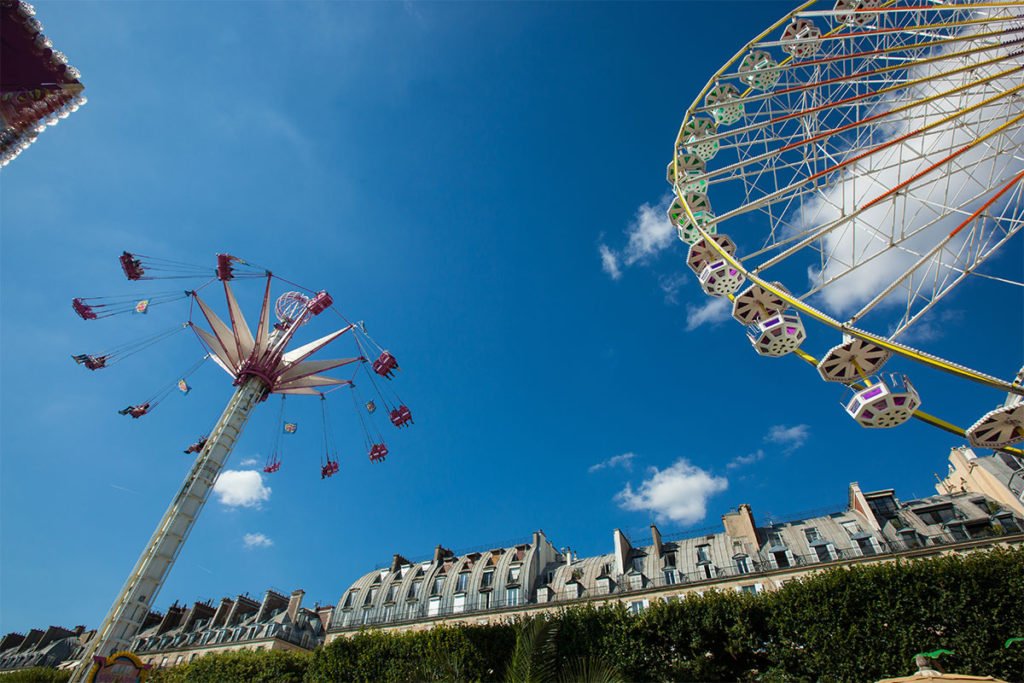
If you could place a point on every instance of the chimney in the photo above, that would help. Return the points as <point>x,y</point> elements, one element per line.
<point>397,561</point>
<point>739,525</point>
<point>294,602</point>
<point>622,550</point>
<point>656,539</point>
<point>325,612</point>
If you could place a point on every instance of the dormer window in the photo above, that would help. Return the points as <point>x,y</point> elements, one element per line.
<point>703,554</point>
<point>513,574</point>
<point>438,586</point>
<point>392,590</point>
<point>350,598</point>
<point>742,564</point>
<point>487,579</point>
<point>371,595</point>
<point>462,582</point>
<point>638,564</point>
<point>670,559</point>
<point>414,590</point>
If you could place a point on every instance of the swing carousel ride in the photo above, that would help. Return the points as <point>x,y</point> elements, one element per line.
<point>867,156</point>
<point>259,363</point>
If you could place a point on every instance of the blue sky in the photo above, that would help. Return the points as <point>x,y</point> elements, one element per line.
<point>467,179</point>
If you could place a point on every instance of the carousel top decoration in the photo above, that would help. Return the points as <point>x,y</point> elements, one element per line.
<point>38,87</point>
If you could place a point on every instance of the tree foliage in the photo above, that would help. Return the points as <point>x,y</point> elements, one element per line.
<point>861,622</point>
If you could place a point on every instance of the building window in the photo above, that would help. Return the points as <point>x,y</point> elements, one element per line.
<point>708,572</point>
<point>163,662</point>
<point>459,605</point>
<point>703,553</point>
<point>670,559</point>
<point>350,598</point>
<point>512,597</point>
<point>485,600</point>
<point>638,564</point>
<point>752,589</point>
<point>824,552</point>
<point>371,595</point>
<point>637,606</point>
<point>392,590</point>
<point>670,577</point>
<point>177,660</point>
<point>812,535</point>
<point>851,527</point>
<point>958,532</point>
<point>775,538</point>
<point>937,515</point>
<point>867,546</point>
<point>487,579</point>
<point>781,558</point>
<point>414,590</point>
<point>462,582</point>
<point>636,581</point>
<point>742,564</point>
<point>366,616</point>
<point>388,610</point>
<point>513,574</point>
<point>434,607</point>
<point>438,586</point>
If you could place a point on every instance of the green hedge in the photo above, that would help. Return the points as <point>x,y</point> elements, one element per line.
<point>858,623</point>
<point>37,674</point>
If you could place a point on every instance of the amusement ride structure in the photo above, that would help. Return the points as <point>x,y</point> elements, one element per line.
<point>880,142</point>
<point>260,363</point>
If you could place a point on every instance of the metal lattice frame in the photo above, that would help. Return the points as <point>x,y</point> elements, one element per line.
<point>889,145</point>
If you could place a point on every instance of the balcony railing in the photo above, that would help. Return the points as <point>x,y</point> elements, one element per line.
<point>360,617</point>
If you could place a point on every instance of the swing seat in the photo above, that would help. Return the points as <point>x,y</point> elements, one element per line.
<point>136,411</point>
<point>319,303</point>
<point>83,309</point>
<point>378,452</point>
<point>401,416</point>
<point>225,271</point>
<point>95,362</point>
<point>131,266</point>
<point>330,469</point>
<point>385,365</point>
<point>197,446</point>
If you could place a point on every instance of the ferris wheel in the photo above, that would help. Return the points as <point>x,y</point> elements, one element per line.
<point>867,158</point>
<point>261,361</point>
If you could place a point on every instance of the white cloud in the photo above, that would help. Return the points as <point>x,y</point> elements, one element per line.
<point>609,262</point>
<point>712,312</point>
<point>241,488</point>
<point>790,438</point>
<point>742,460</point>
<point>916,212</point>
<point>249,462</point>
<point>625,461</point>
<point>678,493</point>
<point>648,234</point>
<point>257,541</point>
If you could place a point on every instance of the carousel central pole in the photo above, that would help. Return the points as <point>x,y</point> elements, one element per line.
<point>133,603</point>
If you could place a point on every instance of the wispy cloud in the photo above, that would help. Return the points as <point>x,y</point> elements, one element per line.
<point>241,488</point>
<point>932,326</point>
<point>256,541</point>
<point>678,493</point>
<point>713,312</point>
<point>743,460</point>
<point>624,461</point>
<point>670,286</point>
<point>122,488</point>
<point>648,234</point>
<point>609,262</point>
<point>249,462</point>
<point>790,438</point>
